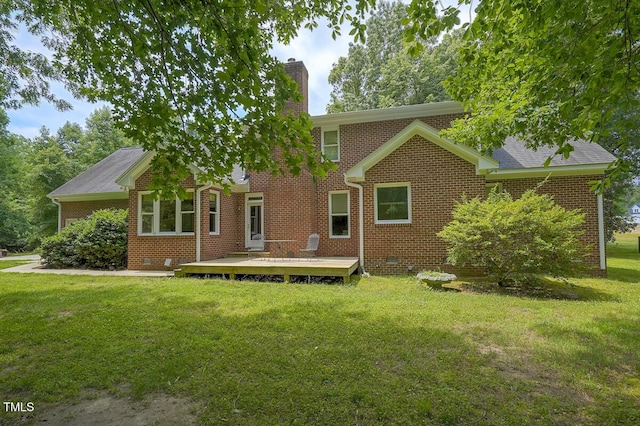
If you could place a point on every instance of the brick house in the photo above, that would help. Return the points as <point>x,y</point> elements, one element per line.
<point>394,188</point>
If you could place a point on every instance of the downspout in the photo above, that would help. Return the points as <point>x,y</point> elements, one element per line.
<point>603,259</point>
<point>198,224</point>
<point>57,203</point>
<point>360,220</point>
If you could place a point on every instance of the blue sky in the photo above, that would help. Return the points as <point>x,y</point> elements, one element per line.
<point>316,48</point>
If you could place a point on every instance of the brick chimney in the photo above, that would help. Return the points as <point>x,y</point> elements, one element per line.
<point>298,72</point>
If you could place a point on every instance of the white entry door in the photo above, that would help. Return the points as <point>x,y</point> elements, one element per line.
<point>254,218</point>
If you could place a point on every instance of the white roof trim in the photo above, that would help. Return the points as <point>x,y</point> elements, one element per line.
<point>128,178</point>
<point>383,114</point>
<point>121,195</point>
<point>483,164</point>
<point>533,172</point>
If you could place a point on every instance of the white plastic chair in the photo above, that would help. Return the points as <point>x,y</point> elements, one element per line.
<point>312,245</point>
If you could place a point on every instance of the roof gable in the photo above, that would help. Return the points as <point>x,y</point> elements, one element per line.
<point>98,181</point>
<point>239,182</point>
<point>418,128</point>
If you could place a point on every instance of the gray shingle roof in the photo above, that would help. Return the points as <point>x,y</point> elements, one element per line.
<point>514,155</point>
<point>101,178</point>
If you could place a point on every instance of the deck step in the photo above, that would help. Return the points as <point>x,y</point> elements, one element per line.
<point>249,253</point>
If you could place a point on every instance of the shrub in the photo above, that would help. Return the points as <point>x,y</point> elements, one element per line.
<point>98,242</point>
<point>514,239</point>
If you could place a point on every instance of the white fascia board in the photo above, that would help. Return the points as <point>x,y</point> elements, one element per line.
<point>120,195</point>
<point>384,114</point>
<point>534,172</point>
<point>483,164</point>
<point>128,178</point>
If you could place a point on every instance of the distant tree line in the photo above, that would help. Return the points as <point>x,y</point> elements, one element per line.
<point>30,168</point>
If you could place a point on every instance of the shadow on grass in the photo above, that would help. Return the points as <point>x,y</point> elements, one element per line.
<point>257,355</point>
<point>604,358</point>
<point>542,288</point>
<point>625,275</point>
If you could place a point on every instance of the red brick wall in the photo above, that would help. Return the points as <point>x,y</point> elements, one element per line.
<point>158,248</point>
<point>438,178</point>
<point>155,247</point>
<point>82,209</point>
<point>230,238</point>
<point>289,208</point>
<point>298,72</point>
<point>356,142</point>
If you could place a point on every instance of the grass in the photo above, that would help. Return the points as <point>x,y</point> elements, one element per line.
<point>6,264</point>
<point>382,351</point>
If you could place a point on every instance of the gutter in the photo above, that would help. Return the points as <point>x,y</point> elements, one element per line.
<point>603,259</point>
<point>198,221</point>
<point>57,203</point>
<point>360,220</point>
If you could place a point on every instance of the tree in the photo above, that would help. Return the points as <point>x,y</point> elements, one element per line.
<point>14,226</point>
<point>513,239</point>
<point>100,138</point>
<point>547,71</point>
<point>50,167</point>
<point>194,81</point>
<point>618,194</point>
<point>380,73</point>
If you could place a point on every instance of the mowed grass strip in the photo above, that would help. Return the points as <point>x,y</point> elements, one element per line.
<point>382,351</point>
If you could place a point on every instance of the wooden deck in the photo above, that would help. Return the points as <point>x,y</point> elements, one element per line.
<point>286,267</point>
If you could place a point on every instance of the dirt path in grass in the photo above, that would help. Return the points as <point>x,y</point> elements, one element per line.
<point>106,409</point>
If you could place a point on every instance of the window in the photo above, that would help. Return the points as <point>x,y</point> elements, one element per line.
<point>70,220</point>
<point>331,144</point>
<point>214,213</point>
<point>490,187</point>
<point>339,214</point>
<point>165,216</point>
<point>392,203</point>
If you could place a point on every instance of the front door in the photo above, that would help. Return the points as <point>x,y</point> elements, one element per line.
<point>254,218</point>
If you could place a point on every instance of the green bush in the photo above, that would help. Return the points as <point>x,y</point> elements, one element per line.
<point>514,239</point>
<point>98,242</point>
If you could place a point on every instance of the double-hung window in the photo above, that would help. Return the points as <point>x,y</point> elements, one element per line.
<point>339,214</point>
<point>214,212</point>
<point>162,216</point>
<point>331,144</point>
<point>392,203</point>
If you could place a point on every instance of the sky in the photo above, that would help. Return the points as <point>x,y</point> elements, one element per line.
<point>316,49</point>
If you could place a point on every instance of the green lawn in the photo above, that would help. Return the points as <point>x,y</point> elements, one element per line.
<point>382,351</point>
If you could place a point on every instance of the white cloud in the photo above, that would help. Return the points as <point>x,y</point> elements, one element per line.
<point>319,51</point>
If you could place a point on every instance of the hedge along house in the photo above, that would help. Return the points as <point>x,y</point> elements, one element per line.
<point>395,186</point>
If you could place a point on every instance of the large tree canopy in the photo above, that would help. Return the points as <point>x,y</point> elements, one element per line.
<point>381,73</point>
<point>546,71</point>
<point>195,81</point>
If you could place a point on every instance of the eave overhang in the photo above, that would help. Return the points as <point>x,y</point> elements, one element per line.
<point>119,195</point>
<point>537,172</point>
<point>384,114</point>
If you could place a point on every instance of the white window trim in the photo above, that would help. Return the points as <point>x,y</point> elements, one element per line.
<point>331,129</point>
<point>68,221</point>
<point>156,216</point>
<point>217,213</point>
<point>490,186</point>
<point>348,215</point>
<point>375,202</point>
